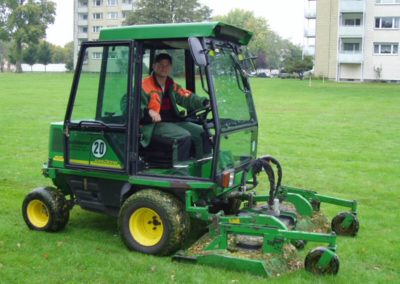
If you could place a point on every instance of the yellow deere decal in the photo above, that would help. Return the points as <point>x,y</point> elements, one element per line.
<point>99,163</point>
<point>58,158</point>
<point>234,221</point>
<point>82,162</point>
<point>106,163</point>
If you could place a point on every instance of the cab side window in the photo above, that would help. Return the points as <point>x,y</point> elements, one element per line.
<point>101,94</point>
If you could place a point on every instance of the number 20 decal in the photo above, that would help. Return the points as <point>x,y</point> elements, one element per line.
<point>99,148</point>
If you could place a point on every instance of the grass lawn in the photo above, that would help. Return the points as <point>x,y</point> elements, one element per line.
<point>339,139</point>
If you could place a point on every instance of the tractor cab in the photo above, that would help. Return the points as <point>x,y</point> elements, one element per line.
<point>104,119</point>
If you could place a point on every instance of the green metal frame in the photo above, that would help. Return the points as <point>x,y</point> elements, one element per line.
<point>311,196</point>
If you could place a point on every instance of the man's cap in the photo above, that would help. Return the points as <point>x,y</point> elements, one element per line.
<point>163,56</point>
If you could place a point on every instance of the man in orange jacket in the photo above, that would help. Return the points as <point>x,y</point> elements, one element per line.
<point>160,115</point>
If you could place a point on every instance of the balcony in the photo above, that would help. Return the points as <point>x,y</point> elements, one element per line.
<point>309,32</point>
<point>83,9</point>
<point>127,7</point>
<point>350,57</point>
<point>309,50</point>
<point>351,6</point>
<point>310,13</point>
<point>82,22</point>
<point>351,31</point>
<point>82,35</point>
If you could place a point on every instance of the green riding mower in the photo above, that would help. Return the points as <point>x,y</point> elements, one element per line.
<point>209,213</point>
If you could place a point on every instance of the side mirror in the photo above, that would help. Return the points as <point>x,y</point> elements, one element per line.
<point>197,51</point>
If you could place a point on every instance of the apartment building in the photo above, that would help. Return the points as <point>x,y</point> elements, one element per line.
<point>357,40</point>
<point>92,15</point>
<point>310,16</point>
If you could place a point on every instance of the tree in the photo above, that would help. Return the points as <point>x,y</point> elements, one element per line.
<point>25,22</point>
<point>44,54</point>
<point>167,11</point>
<point>294,62</point>
<point>58,54</point>
<point>268,46</point>
<point>29,55</point>
<point>258,25</point>
<point>4,51</point>
<point>69,53</point>
<point>265,43</point>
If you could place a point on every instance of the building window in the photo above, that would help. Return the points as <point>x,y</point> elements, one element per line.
<point>112,2</point>
<point>97,2</point>
<point>352,22</point>
<point>83,29</point>
<point>82,4</point>
<point>97,16</point>
<point>386,48</point>
<point>83,17</point>
<point>387,2</point>
<point>351,47</point>
<point>387,22</point>
<point>96,29</point>
<point>97,55</point>
<point>112,15</point>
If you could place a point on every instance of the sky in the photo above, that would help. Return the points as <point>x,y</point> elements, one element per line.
<point>286,17</point>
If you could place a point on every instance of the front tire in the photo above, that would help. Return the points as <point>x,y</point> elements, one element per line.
<point>153,222</point>
<point>45,209</point>
<point>311,263</point>
<point>351,228</point>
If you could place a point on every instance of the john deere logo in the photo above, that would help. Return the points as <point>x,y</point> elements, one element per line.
<point>99,148</point>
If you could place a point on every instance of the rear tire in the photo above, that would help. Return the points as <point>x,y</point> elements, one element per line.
<point>153,222</point>
<point>45,209</point>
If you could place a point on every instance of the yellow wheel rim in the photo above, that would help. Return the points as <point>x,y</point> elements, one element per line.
<point>146,227</point>
<point>38,213</point>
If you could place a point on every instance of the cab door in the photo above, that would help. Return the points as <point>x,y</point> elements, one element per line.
<point>97,119</point>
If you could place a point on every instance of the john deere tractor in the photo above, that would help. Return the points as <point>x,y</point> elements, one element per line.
<point>96,159</point>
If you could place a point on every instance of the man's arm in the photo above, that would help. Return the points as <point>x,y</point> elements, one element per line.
<point>187,99</point>
<point>149,106</point>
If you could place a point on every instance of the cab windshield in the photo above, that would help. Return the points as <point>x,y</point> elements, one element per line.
<point>232,91</point>
<point>236,112</point>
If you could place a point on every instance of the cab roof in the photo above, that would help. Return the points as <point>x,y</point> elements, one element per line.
<point>216,30</point>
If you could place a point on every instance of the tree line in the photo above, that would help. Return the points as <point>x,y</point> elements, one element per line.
<point>23,25</point>
<point>270,49</point>
<point>43,53</point>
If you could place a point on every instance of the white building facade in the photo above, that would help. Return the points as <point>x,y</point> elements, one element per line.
<point>92,15</point>
<point>358,40</point>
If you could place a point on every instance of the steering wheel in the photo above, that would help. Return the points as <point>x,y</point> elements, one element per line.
<point>199,115</point>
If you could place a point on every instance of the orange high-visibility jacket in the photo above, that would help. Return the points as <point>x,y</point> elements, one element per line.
<point>152,97</point>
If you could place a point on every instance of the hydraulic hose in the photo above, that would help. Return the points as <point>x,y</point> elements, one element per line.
<point>278,167</point>
<point>264,163</point>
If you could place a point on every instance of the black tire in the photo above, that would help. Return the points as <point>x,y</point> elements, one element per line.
<point>299,244</point>
<point>311,262</point>
<point>153,222</point>
<point>337,227</point>
<point>45,209</point>
<point>316,205</point>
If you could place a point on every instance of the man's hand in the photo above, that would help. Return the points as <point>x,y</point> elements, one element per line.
<point>155,116</point>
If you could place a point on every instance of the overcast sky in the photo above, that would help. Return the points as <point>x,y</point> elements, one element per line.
<point>286,17</point>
